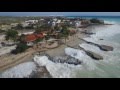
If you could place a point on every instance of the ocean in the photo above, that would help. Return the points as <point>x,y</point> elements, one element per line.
<point>109,67</point>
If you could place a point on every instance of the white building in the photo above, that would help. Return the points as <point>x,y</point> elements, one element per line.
<point>77,23</point>
<point>55,19</point>
<point>14,24</point>
<point>32,21</point>
<point>58,21</point>
<point>53,23</point>
<point>25,24</point>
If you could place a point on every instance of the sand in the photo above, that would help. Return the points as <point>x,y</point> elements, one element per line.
<point>73,41</point>
<point>8,61</point>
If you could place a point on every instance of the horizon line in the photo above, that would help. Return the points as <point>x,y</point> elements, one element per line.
<point>57,15</point>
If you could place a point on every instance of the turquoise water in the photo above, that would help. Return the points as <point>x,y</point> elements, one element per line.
<point>110,66</point>
<point>107,18</point>
<point>115,38</point>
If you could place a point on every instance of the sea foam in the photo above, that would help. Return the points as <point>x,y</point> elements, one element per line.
<point>20,71</point>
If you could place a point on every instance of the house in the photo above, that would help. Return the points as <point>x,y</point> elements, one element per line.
<point>25,24</point>
<point>77,23</point>
<point>14,24</point>
<point>32,21</point>
<point>31,38</point>
<point>58,21</point>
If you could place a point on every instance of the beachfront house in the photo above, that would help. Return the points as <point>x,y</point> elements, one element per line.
<point>31,38</point>
<point>77,23</point>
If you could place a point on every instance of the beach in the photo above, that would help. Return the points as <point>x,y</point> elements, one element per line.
<point>13,60</point>
<point>28,56</point>
<point>89,68</point>
<point>73,41</point>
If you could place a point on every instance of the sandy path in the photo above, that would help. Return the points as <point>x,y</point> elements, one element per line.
<point>8,61</point>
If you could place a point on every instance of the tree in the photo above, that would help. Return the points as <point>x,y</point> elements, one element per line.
<point>11,35</point>
<point>38,29</point>
<point>56,28</point>
<point>21,47</point>
<point>19,26</point>
<point>22,38</point>
<point>65,32</point>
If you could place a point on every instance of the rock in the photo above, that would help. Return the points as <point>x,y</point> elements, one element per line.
<point>108,24</point>
<point>102,47</point>
<point>86,32</point>
<point>101,39</point>
<point>68,60</point>
<point>94,55</point>
<point>72,60</point>
<point>96,21</point>
<point>106,48</point>
<point>41,72</point>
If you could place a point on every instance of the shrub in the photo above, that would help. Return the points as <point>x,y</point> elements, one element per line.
<point>21,47</point>
<point>38,40</point>
<point>96,21</point>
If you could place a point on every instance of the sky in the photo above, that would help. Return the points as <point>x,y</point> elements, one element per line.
<point>60,13</point>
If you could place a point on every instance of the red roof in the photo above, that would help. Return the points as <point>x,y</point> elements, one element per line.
<point>30,38</point>
<point>33,37</point>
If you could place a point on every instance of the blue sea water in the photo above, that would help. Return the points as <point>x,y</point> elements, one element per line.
<point>110,66</point>
<point>106,18</point>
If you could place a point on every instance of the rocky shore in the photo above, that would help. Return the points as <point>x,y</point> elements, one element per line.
<point>57,55</point>
<point>40,72</point>
<point>65,59</point>
<point>102,47</point>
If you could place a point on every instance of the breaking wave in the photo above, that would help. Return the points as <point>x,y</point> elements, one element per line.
<point>20,71</point>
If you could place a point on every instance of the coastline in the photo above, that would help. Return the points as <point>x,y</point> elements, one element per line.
<point>28,55</point>
<point>73,41</point>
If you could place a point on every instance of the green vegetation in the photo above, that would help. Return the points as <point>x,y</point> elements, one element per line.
<point>11,35</point>
<point>21,47</point>
<point>38,40</point>
<point>22,38</point>
<point>2,31</point>
<point>57,28</point>
<point>96,21</point>
<point>38,30</point>
<point>19,26</point>
<point>65,32</point>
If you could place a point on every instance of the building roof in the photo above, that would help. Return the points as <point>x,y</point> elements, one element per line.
<point>40,35</point>
<point>33,37</point>
<point>30,38</point>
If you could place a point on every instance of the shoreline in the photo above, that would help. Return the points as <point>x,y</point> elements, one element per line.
<point>59,51</point>
<point>73,41</point>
